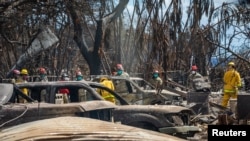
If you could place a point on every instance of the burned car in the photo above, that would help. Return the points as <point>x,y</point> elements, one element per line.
<point>80,128</point>
<point>170,119</point>
<point>138,91</point>
<point>12,112</point>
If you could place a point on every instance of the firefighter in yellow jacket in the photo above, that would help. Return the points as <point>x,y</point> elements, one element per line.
<point>232,81</point>
<point>22,79</point>
<point>105,94</point>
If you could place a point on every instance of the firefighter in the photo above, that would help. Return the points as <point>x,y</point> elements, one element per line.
<point>65,91</point>
<point>42,75</point>
<point>16,78</point>
<point>79,76</point>
<point>232,81</point>
<point>194,75</point>
<point>157,81</point>
<point>24,75</point>
<point>121,72</point>
<point>42,78</point>
<point>105,94</point>
<point>81,92</point>
<point>23,79</point>
<point>122,86</point>
<point>65,77</point>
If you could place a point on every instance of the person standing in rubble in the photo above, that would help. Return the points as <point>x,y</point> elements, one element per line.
<point>82,92</point>
<point>105,94</point>
<point>194,75</point>
<point>79,76</point>
<point>122,86</point>
<point>121,72</point>
<point>42,75</point>
<point>232,81</point>
<point>42,78</point>
<point>23,79</point>
<point>157,81</point>
<point>24,75</point>
<point>65,91</point>
<point>16,78</point>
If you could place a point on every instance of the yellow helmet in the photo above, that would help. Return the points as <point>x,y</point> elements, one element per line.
<point>24,71</point>
<point>231,64</point>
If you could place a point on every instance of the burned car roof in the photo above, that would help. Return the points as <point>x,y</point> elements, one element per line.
<point>52,87</point>
<point>75,128</point>
<point>56,83</point>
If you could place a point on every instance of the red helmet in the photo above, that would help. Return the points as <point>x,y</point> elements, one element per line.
<point>42,71</point>
<point>156,71</point>
<point>194,68</point>
<point>78,73</point>
<point>119,67</point>
<point>15,71</point>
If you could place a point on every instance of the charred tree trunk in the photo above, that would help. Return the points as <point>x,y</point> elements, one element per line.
<point>93,57</point>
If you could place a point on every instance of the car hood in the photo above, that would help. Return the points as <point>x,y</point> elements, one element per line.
<point>6,92</point>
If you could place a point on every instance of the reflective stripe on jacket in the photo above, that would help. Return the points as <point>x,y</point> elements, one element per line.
<point>108,96</point>
<point>229,91</point>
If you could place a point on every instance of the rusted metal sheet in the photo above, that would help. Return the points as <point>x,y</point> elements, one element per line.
<point>75,128</point>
